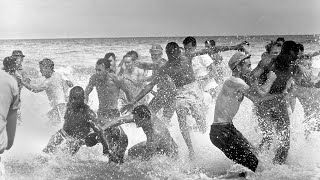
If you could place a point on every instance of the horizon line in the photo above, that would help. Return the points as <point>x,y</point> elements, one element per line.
<point>174,36</point>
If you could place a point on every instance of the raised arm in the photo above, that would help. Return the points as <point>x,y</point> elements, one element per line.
<point>317,53</point>
<point>147,65</point>
<point>214,50</point>
<point>142,93</point>
<point>34,88</point>
<point>118,121</point>
<point>89,88</point>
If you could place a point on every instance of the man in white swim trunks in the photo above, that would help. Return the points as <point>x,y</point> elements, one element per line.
<point>56,88</point>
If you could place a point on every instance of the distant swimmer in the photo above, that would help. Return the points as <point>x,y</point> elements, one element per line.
<point>159,140</point>
<point>78,120</point>
<point>223,134</point>
<point>188,102</point>
<point>108,87</point>
<point>9,105</point>
<point>56,88</point>
<point>166,90</point>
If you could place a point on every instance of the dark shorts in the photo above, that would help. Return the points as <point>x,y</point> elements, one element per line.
<point>116,140</point>
<point>234,145</point>
<point>108,113</point>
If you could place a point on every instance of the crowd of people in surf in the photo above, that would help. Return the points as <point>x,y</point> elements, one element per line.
<point>283,74</point>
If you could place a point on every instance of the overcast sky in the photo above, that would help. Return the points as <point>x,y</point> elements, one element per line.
<point>123,18</point>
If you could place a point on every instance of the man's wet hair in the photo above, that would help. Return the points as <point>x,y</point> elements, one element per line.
<point>171,46</point>
<point>9,64</point>
<point>76,91</point>
<point>285,59</point>
<point>211,42</point>
<point>46,62</point>
<point>300,47</point>
<point>142,111</point>
<point>191,40</point>
<point>130,56</point>
<point>272,44</point>
<point>289,46</point>
<point>280,39</point>
<point>133,54</point>
<point>108,55</point>
<point>105,62</point>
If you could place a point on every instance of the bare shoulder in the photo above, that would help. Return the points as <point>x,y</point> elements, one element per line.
<point>116,79</point>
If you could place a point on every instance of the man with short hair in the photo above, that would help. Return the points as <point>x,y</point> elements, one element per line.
<point>56,89</point>
<point>10,103</point>
<point>108,87</point>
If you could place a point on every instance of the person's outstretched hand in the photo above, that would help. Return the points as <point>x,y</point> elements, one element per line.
<point>126,108</point>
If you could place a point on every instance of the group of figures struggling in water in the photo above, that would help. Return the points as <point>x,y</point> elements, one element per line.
<point>283,74</point>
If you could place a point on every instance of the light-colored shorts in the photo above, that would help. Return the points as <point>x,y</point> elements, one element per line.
<point>190,97</point>
<point>56,115</point>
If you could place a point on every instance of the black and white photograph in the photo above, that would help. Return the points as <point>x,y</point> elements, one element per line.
<point>159,89</point>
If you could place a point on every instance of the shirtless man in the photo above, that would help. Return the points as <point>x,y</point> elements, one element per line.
<point>56,88</point>
<point>133,76</point>
<point>166,90</point>
<point>223,134</point>
<point>179,69</point>
<point>108,87</point>
<point>159,140</point>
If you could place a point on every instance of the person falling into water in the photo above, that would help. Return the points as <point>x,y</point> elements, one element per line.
<point>108,87</point>
<point>159,140</point>
<point>179,69</point>
<point>223,134</point>
<point>166,90</point>
<point>56,88</point>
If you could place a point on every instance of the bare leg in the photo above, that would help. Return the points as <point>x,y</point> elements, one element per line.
<point>182,119</point>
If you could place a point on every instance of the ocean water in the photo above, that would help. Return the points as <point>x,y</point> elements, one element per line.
<point>76,59</point>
